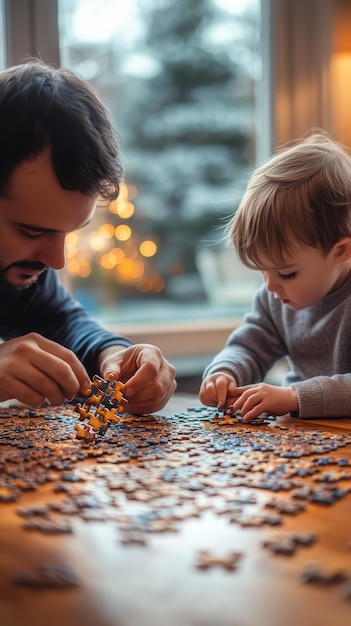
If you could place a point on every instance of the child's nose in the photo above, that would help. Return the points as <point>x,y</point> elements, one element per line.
<point>269,282</point>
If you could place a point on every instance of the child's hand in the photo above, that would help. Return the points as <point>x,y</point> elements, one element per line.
<point>253,400</point>
<point>219,389</point>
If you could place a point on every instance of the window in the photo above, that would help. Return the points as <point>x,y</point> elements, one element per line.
<point>183,82</point>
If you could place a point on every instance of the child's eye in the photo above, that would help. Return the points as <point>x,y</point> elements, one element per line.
<point>288,276</point>
<point>31,234</point>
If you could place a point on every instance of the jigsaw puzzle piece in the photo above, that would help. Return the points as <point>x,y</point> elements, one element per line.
<point>84,432</point>
<point>84,413</point>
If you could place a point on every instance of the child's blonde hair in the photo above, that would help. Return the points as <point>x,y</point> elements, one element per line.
<point>301,196</point>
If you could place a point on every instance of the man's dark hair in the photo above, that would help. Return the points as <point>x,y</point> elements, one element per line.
<point>42,107</point>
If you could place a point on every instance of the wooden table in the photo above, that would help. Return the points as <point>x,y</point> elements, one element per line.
<point>145,500</point>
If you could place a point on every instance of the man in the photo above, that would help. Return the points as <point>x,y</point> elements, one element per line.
<point>58,154</point>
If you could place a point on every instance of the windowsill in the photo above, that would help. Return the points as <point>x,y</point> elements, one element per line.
<point>180,339</point>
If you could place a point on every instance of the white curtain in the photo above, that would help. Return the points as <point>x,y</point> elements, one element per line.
<point>301,50</point>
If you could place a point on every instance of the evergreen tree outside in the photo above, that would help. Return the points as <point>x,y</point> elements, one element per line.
<point>183,92</point>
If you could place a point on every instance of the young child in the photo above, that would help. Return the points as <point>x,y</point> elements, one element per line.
<point>294,226</point>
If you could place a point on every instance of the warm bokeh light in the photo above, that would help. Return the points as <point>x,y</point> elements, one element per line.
<point>154,284</point>
<point>125,210</point>
<point>112,258</point>
<point>85,271</point>
<point>97,241</point>
<point>71,250</point>
<point>71,245</point>
<point>118,254</point>
<point>123,192</point>
<point>122,205</point>
<point>113,207</point>
<point>79,266</point>
<point>129,270</point>
<point>123,232</point>
<point>132,191</point>
<point>72,266</point>
<point>72,238</point>
<point>108,261</point>
<point>148,248</point>
<point>107,230</point>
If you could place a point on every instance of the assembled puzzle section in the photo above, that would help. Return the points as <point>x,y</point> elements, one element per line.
<point>104,404</point>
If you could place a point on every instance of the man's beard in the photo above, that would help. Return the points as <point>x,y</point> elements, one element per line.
<point>7,285</point>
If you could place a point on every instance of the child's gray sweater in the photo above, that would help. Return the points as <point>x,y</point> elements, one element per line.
<point>316,341</point>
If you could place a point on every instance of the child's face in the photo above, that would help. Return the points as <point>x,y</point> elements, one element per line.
<point>307,275</point>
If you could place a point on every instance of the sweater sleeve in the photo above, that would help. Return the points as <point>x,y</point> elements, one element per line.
<point>324,396</point>
<point>48,309</point>
<point>253,347</point>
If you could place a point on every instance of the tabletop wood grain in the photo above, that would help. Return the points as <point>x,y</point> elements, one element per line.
<point>130,515</point>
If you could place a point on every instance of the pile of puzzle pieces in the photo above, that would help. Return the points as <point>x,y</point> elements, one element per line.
<point>104,404</point>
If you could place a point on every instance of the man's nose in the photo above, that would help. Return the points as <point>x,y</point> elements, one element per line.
<point>52,252</point>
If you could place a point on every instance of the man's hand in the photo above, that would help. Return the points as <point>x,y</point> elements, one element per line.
<point>218,389</point>
<point>252,400</point>
<point>148,377</point>
<point>33,368</point>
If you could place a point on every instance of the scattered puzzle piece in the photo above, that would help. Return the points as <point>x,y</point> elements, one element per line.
<point>316,573</point>
<point>207,559</point>
<point>288,544</point>
<point>84,432</point>
<point>48,576</point>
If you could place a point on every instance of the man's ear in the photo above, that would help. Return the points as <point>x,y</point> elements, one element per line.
<point>342,249</point>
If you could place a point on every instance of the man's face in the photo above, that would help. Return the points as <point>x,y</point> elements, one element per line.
<point>35,216</point>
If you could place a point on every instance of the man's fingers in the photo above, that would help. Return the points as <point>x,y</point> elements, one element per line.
<point>35,368</point>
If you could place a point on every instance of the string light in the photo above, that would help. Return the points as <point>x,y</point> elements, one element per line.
<point>148,248</point>
<point>123,232</point>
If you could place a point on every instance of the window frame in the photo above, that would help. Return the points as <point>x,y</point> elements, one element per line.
<point>31,30</point>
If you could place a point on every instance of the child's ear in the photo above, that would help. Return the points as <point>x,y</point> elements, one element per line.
<point>342,249</point>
